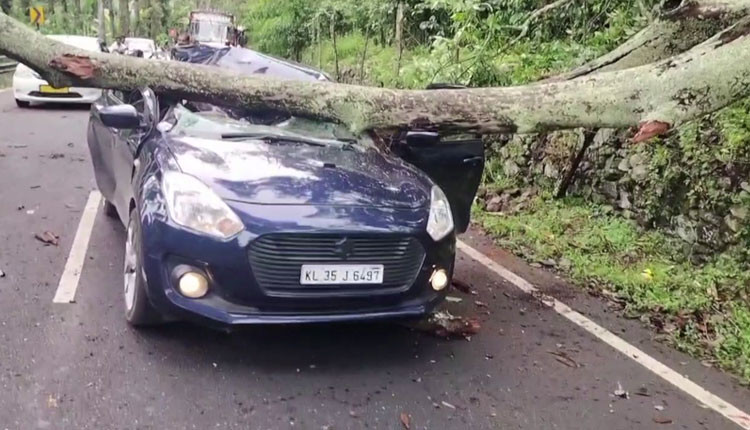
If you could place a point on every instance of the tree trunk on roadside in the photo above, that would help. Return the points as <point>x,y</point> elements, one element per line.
<point>654,97</point>
<point>124,11</point>
<point>24,5</point>
<point>6,5</point>
<point>101,30</point>
<point>399,35</point>
<point>111,12</point>
<point>364,56</point>
<point>318,32</point>
<point>335,48</point>
<point>155,27</point>
<point>76,18</point>
<point>136,25</point>
<point>165,12</point>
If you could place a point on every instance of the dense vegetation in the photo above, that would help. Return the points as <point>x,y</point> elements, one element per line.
<point>671,216</point>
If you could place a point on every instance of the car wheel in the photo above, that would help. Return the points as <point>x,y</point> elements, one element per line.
<point>110,210</point>
<point>22,104</point>
<point>138,310</point>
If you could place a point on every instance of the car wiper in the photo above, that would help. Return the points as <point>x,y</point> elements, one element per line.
<point>277,138</point>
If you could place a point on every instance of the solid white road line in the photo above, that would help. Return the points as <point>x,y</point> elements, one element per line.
<point>712,401</point>
<point>66,289</point>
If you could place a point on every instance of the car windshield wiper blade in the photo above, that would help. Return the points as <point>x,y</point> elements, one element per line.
<point>281,138</point>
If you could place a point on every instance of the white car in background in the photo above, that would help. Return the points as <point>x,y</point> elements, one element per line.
<point>133,44</point>
<point>29,87</point>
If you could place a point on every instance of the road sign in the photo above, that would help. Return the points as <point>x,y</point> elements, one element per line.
<point>36,15</point>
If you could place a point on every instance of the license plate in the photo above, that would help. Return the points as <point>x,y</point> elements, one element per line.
<point>52,90</point>
<point>328,274</point>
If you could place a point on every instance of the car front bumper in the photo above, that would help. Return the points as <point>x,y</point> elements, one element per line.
<point>235,296</point>
<point>28,89</point>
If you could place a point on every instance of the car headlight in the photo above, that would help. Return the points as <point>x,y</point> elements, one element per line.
<point>194,205</point>
<point>23,71</point>
<point>440,221</point>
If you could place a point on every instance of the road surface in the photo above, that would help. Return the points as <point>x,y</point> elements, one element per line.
<point>79,366</point>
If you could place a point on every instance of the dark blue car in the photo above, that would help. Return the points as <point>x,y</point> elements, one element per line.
<point>239,217</point>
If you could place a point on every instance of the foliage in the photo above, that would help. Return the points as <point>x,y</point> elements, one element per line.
<point>703,307</point>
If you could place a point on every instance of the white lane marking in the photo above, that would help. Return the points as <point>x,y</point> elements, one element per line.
<point>66,289</point>
<point>703,396</point>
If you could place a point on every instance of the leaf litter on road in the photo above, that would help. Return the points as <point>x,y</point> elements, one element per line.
<point>444,324</point>
<point>662,420</point>
<point>48,238</point>
<point>405,420</point>
<point>564,358</point>
<point>620,392</point>
<point>461,286</point>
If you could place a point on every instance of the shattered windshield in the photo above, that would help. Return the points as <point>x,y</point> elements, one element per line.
<point>210,31</point>
<point>216,124</point>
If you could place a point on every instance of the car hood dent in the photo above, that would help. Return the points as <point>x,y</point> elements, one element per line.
<point>256,172</point>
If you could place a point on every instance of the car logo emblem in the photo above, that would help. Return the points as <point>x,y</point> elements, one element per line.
<point>344,248</point>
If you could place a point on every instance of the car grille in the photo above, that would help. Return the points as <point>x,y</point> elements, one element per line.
<point>276,260</point>
<point>70,95</point>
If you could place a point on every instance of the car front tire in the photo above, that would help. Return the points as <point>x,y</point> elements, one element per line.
<point>138,310</point>
<point>22,104</point>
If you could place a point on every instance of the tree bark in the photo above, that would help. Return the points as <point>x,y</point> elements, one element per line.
<point>335,49</point>
<point>136,27</point>
<point>100,28</point>
<point>24,5</point>
<point>155,27</point>
<point>399,35</point>
<point>124,12</point>
<point>674,31</point>
<point>655,97</point>
<point>5,6</point>
<point>111,11</point>
<point>364,56</point>
<point>575,160</point>
<point>76,18</point>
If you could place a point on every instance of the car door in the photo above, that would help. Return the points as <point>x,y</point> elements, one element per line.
<point>126,144</point>
<point>453,163</point>
<point>101,140</point>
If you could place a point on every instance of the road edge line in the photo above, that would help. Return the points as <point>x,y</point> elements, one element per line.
<point>689,387</point>
<point>66,288</point>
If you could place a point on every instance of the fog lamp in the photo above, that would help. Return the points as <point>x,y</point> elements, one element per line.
<point>439,279</point>
<point>193,285</point>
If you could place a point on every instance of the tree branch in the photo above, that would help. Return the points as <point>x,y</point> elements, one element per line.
<point>536,14</point>
<point>667,93</point>
<point>673,32</point>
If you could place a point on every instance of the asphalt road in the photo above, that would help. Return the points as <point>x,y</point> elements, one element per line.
<point>79,366</point>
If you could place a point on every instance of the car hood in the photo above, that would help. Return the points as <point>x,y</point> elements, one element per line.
<point>291,174</point>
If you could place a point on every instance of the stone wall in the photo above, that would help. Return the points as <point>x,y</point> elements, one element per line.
<point>694,184</point>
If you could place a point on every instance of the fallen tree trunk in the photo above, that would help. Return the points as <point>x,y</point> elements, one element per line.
<point>655,97</point>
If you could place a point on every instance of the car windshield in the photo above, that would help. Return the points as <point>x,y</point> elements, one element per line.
<point>217,124</point>
<point>145,45</point>
<point>210,31</point>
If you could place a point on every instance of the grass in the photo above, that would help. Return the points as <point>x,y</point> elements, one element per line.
<point>704,308</point>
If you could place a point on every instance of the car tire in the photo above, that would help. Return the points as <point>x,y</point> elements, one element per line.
<point>138,310</point>
<point>110,210</point>
<point>22,104</point>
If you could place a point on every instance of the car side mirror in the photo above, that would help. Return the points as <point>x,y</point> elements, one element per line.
<point>120,116</point>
